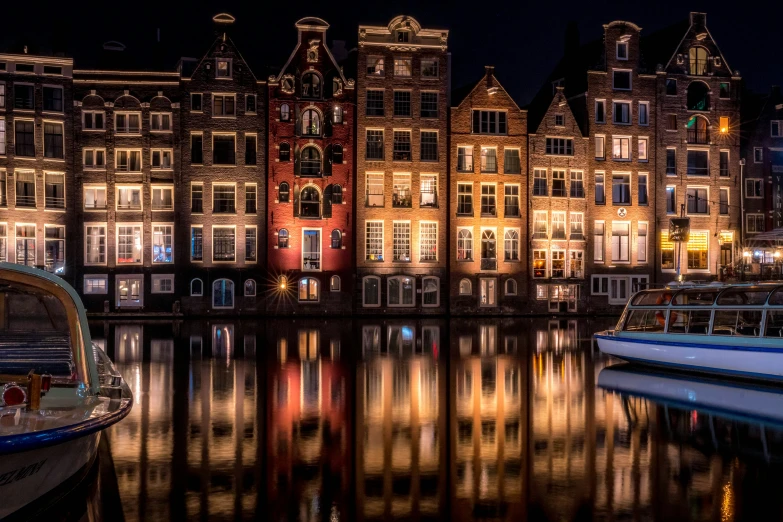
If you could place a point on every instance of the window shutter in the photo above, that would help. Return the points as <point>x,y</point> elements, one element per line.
<point>297,161</point>
<point>296,200</point>
<point>328,160</point>
<point>328,201</point>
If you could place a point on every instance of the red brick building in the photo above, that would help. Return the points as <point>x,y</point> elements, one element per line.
<point>310,144</point>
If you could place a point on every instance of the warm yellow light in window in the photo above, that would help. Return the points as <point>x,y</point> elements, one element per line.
<point>665,243</point>
<point>698,242</point>
<point>724,124</point>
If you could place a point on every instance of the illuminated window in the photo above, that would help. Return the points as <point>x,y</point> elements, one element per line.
<point>558,264</point>
<point>464,245</point>
<point>539,182</point>
<point>374,189</point>
<point>620,242</point>
<point>540,227</point>
<point>428,241</point>
<point>401,191</point>
<point>430,291</point>
<point>402,240</point>
<point>558,225</point>
<point>465,287</point>
<point>375,66</point>
<point>599,231</point>
<point>401,291</point>
<point>539,263</point>
<point>641,242</point>
<point>224,244</point>
<point>223,293</point>
<point>511,200</point>
<point>403,67</point>
<point>129,244</point>
<point>465,159</point>
<point>621,112</point>
<point>374,241</point>
<point>698,250</point>
<point>600,189</point>
<point>196,244</point>
<point>511,245</point>
<point>162,244</point>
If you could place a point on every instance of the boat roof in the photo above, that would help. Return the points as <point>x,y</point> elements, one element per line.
<point>729,295</point>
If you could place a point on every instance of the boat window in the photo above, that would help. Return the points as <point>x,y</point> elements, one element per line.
<point>645,321</point>
<point>746,323</point>
<point>774,326</point>
<point>777,297</point>
<point>743,296</point>
<point>652,298</point>
<point>695,297</point>
<point>689,321</point>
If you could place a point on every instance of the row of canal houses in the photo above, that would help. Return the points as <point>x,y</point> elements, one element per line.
<point>360,182</point>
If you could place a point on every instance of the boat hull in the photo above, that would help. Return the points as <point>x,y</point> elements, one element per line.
<point>737,360</point>
<point>27,476</point>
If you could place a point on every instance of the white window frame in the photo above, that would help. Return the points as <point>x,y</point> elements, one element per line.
<point>388,292</point>
<point>629,103</point>
<point>212,199</point>
<point>758,154</point>
<point>93,129</point>
<point>136,277</point>
<point>244,243</point>
<point>117,189</point>
<point>224,95</point>
<point>127,113</point>
<point>117,243</point>
<point>698,187</point>
<point>421,241</point>
<point>569,270</point>
<point>602,101</point>
<point>212,245</point>
<point>639,259</point>
<point>364,296</point>
<point>372,179</point>
<point>105,227</point>
<point>617,49</point>
<point>630,79</point>
<point>161,152</point>
<point>630,148</point>
<point>546,260</point>
<point>155,187</point>
<point>383,232</point>
<point>437,294</point>
<point>173,241</point>
<point>212,159</point>
<point>230,62</point>
<point>488,280</point>
<point>159,115</point>
<point>628,246</point>
<point>94,151</point>
<point>320,250</point>
<point>245,292</point>
<point>600,152</point>
<point>192,294</point>
<point>779,125</point>
<point>646,141</point>
<point>96,187</point>
<point>602,260</point>
<point>395,237</point>
<point>335,287</point>
<point>129,151</point>
<point>95,277</point>
<point>157,278</point>
<point>65,139</point>
<point>212,294</point>
<point>748,217</point>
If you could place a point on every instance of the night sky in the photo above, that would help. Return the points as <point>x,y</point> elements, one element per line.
<point>523,42</point>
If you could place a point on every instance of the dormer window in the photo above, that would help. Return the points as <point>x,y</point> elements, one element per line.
<point>311,86</point>
<point>403,36</point>
<point>223,69</point>
<point>698,61</point>
<point>622,50</point>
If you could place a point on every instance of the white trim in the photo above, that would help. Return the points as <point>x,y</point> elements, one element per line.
<point>97,224</point>
<point>134,225</point>
<point>364,295</point>
<point>152,245</point>
<point>212,244</point>
<point>96,277</point>
<point>158,278</point>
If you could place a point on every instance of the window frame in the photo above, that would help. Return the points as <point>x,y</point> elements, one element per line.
<point>96,224</point>
<point>366,304</point>
<point>212,244</point>
<point>161,277</point>
<point>134,225</point>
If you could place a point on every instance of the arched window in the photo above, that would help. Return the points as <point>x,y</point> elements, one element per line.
<point>488,250</point>
<point>196,288</point>
<point>698,96</point>
<point>282,282</point>
<point>308,290</point>
<point>311,162</point>
<point>284,193</point>
<point>311,123</point>
<point>465,287</point>
<point>338,114</point>
<point>285,112</point>
<point>511,246</point>
<point>250,288</point>
<point>223,293</point>
<point>334,283</point>
<point>698,61</point>
<point>430,291</point>
<point>337,239</point>
<point>401,291</point>
<point>282,238</point>
<point>464,245</point>
<point>371,291</point>
<point>284,152</point>
<point>337,154</point>
<point>697,130</point>
<point>311,85</point>
<point>310,203</point>
<point>337,195</point>
<point>511,287</point>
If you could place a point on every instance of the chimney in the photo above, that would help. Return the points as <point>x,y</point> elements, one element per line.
<point>699,19</point>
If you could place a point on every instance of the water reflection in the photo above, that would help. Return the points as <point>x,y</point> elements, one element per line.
<point>420,420</point>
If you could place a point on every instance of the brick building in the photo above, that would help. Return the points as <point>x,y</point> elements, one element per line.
<point>698,152</point>
<point>402,156</point>
<point>489,203</point>
<point>310,175</point>
<point>558,160</point>
<point>36,163</point>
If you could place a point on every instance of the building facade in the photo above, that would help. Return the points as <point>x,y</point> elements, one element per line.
<point>401,208</point>
<point>310,175</point>
<point>489,204</point>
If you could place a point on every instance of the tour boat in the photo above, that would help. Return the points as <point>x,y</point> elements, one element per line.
<point>734,329</point>
<point>59,390</point>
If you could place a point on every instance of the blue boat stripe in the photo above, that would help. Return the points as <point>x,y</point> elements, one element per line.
<point>691,345</point>
<point>703,369</point>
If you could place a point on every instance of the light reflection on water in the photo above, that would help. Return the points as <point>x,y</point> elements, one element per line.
<point>412,419</point>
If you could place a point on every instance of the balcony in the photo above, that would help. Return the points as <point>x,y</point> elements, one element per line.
<point>699,136</point>
<point>489,263</point>
<point>310,167</point>
<point>128,206</point>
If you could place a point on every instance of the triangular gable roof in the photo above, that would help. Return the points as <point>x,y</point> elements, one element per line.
<point>561,100</point>
<point>224,39</point>
<point>684,36</point>
<point>469,93</point>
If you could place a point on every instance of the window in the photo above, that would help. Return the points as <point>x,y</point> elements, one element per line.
<point>25,189</point>
<point>162,243</point>
<point>560,146</point>
<point>621,80</point>
<point>465,159</point>
<point>310,203</point>
<point>196,288</point>
<point>54,186</point>
<point>465,287</point>
<point>129,244</point>
<point>127,160</point>
<point>374,187</point>
<point>371,291</point>
<point>429,190</point>
<point>402,103</point>
<point>223,244</point>
<point>375,66</point>
<point>54,248</point>
<point>697,202</point>
<point>223,199</point>
<point>724,163</point>
<point>96,284</point>
<point>2,137</point>
<point>724,202</point>
<point>402,241</point>
<point>401,191</point>
<point>671,122</point>
<point>224,105</point>
<point>374,102</point>
<point>250,104</point>
<point>558,264</point>
<point>599,229</point>
<point>223,68</point>
<point>488,122</point>
<point>671,162</point>
<point>196,102</point>
<point>758,155</point>
<point>558,225</point>
<point>282,238</point>
<point>224,149</point>
<point>488,250</point>
<point>643,149</point>
<point>539,183</point>
<point>161,159</point>
<point>540,226</point>
<point>285,112</point>
<point>577,226</point>
<point>374,241</point>
<point>429,146</point>
<point>600,111</point>
<point>250,198</point>
<point>511,161</point>
<point>698,61</point>
<point>197,198</point>
<point>511,202</point>
<point>430,289</point>
<point>162,284</point>
<point>776,128</point>
<point>465,245</point>
<point>539,264</point>
<point>698,250</point>
<point>488,203</point>
<point>3,243</point>
<point>401,291</point>
<point>2,93</point>
<point>622,50</point>
<point>620,242</point>
<point>374,145</point>
<point>576,264</point>
<point>621,189</point>
<point>511,245</point>
<point>334,283</point>
<point>94,158</point>
<point>600,189</point>
<point>196,149</point>
<point>160,122</point>
<point>311,249</point>
<point>621,113</point>
<point>403,67</point>
<point>337,115</point>
<point>223,293</point>
<point>754,223</point>
<point>429,105</point>
<point>25,245</point>
<point>489,159</point>
<point>698,163</point>
<point>130,291</point>
<point>754,188</point>
<point>643,198</point>
<point>24,132</point>
<point>559,120</point>
<point>429,67</point>
<point>641,242</point>
<point>671,87</point>
<point>93,120</point>
<point>127,122</point>
<point>24,96</point>
<point>311,85</point>
<point>251,149</point>
<point>283,193</point>
<point>577,184</point>
<point>671,200</point>
<point>487,291</point>
<point>428,241</point>
<point>402,146</point>
<point>600,147</point>
<point>559,184</point>
<point>465,199</point>
<point>644,113</point>
<point>196,244</point>
<point>724,90</point>
<point>95,198</point>
<point>698,96</point>
<point>337,239</point>
<point>311,123</point>
<point>284,152</point>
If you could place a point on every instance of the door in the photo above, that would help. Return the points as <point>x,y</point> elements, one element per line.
<point>488,292</point>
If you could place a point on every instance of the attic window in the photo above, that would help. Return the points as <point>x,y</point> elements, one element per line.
<point>622,50</point>
<point>403,36</point>
<point>559,120</point>
<point>223,68</point>
<point>25,67</point>
<point>113,45</point>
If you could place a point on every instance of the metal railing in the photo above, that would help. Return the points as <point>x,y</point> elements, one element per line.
<point>697,136</point>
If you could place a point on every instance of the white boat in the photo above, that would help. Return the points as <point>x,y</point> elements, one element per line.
<point>59,390</point>
<point>729,329</point>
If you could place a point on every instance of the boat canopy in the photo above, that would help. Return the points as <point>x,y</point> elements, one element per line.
<point>730,296</point>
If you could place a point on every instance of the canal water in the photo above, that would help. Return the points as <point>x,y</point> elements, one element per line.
<point>420,419</point>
